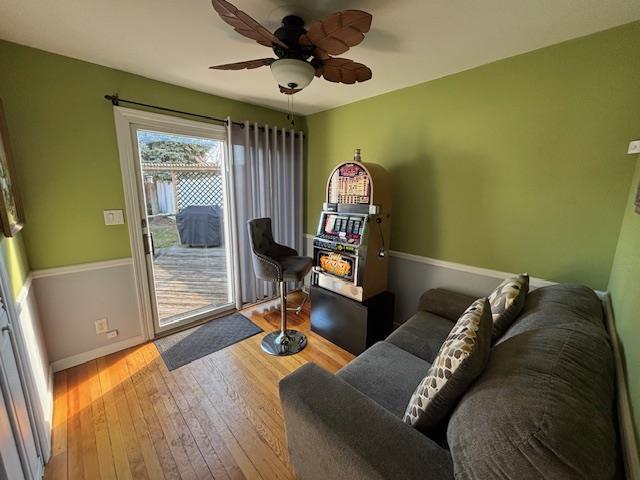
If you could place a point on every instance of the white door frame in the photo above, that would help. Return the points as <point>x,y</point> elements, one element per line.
<point>127,119</point>
<point>36,421</point>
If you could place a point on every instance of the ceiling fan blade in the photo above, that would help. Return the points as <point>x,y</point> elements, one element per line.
<point>249,64</point>
<point>289,91</point>
<point>245,25</point>
<point>343,70</point>
<point>338,32</point>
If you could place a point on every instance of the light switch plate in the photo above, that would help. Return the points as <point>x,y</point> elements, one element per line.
<point>113,217</point>
<point>634,147</point>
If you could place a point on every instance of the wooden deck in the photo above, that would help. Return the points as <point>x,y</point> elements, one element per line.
<point>126,416</point>
<point>189,278</point>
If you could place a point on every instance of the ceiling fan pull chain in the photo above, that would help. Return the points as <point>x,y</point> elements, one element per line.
<point>290,116</point>
<point>293,121</point>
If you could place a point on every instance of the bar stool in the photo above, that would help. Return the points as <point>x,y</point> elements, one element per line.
<point>273,262</point>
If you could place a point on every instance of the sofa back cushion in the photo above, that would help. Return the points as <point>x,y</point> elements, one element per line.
<point>543,407</point>
<point>561,304</point>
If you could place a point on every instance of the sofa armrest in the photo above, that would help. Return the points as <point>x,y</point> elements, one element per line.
<point>334,431</point>
<point>445,303</point>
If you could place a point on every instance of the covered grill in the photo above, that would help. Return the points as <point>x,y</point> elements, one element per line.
<point>200,225</point>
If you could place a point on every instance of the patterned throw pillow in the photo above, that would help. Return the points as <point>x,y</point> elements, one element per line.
<point>460,360</point>
<point>506,302</point>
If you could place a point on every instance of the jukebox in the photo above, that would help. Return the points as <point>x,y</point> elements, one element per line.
<point>349,251</point>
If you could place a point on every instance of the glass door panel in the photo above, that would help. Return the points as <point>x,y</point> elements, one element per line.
<point>185,224</point>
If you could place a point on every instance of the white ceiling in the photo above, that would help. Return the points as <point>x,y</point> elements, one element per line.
<point>411,41</point>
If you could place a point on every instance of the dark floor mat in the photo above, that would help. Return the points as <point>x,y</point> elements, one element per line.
<point>189,345</point>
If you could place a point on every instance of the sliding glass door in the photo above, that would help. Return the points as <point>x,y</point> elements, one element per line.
<point>184,206</point>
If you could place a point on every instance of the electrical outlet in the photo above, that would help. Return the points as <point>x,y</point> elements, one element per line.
<point>112,333</point>
<point>102,326</point>
<point>634,147</point>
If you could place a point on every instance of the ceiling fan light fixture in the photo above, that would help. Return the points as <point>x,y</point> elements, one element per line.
<point>292,73</point>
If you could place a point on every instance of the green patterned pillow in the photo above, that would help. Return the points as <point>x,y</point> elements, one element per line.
<point>506,302</point>
<point>460,360</point>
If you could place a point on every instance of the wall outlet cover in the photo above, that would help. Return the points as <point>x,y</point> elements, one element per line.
<point>634,147</point>
<point>112,334</point>
<point>102,326</point>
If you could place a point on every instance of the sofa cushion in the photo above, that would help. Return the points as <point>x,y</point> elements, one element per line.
<point>460,360</point>
<point>556,305</point>
<point>445,303</point>
<point>422,335</point>
<point>507,300</point>
<point>543,407</point>
<point>386,374</point>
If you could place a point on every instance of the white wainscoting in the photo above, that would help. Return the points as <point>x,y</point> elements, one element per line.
<point>411,275</point>
<point>70,299</point>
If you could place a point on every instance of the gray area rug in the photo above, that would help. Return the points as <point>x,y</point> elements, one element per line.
<point>189,345</point>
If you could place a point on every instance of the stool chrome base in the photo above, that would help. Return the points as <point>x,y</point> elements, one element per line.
<point>281,344</point>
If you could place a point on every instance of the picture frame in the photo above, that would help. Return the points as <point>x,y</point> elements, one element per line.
<point>11,214</point>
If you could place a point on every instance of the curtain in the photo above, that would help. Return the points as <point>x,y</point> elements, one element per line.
<point>265,180</point>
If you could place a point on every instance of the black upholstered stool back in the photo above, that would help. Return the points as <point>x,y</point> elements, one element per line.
<point>274,262</point>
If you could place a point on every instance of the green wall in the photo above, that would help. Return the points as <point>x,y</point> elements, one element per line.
<point>518,165</point>
<point>63,137</point>
<point>624,286</point>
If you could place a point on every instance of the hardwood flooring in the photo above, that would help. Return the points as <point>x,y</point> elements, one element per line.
<point>126,416</point>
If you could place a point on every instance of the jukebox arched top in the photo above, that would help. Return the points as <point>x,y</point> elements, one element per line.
<point>359,183</point>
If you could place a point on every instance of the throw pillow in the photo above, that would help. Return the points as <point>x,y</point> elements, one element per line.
<point>506,302</point>
<point>460,360</point>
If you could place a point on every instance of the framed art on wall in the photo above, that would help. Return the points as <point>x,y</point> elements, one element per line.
<point>11,214</point>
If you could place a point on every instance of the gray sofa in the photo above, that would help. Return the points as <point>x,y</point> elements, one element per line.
<point>542,408</point>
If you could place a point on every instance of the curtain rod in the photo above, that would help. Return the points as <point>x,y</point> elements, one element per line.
<point>116,101</point>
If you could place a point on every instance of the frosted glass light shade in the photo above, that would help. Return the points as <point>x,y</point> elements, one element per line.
<point>292,73</point>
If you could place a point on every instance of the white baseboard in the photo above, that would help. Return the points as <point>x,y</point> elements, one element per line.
<point>83,357</point>
<point>628,440</point>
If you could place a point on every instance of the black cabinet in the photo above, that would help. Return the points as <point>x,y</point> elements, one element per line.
<point>351,325</point>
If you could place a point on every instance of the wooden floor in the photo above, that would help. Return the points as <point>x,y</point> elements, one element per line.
<point>126,416</point>
<point>187,279</point>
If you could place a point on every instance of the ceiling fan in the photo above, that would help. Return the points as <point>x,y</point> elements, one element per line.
<point>303,53</point>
